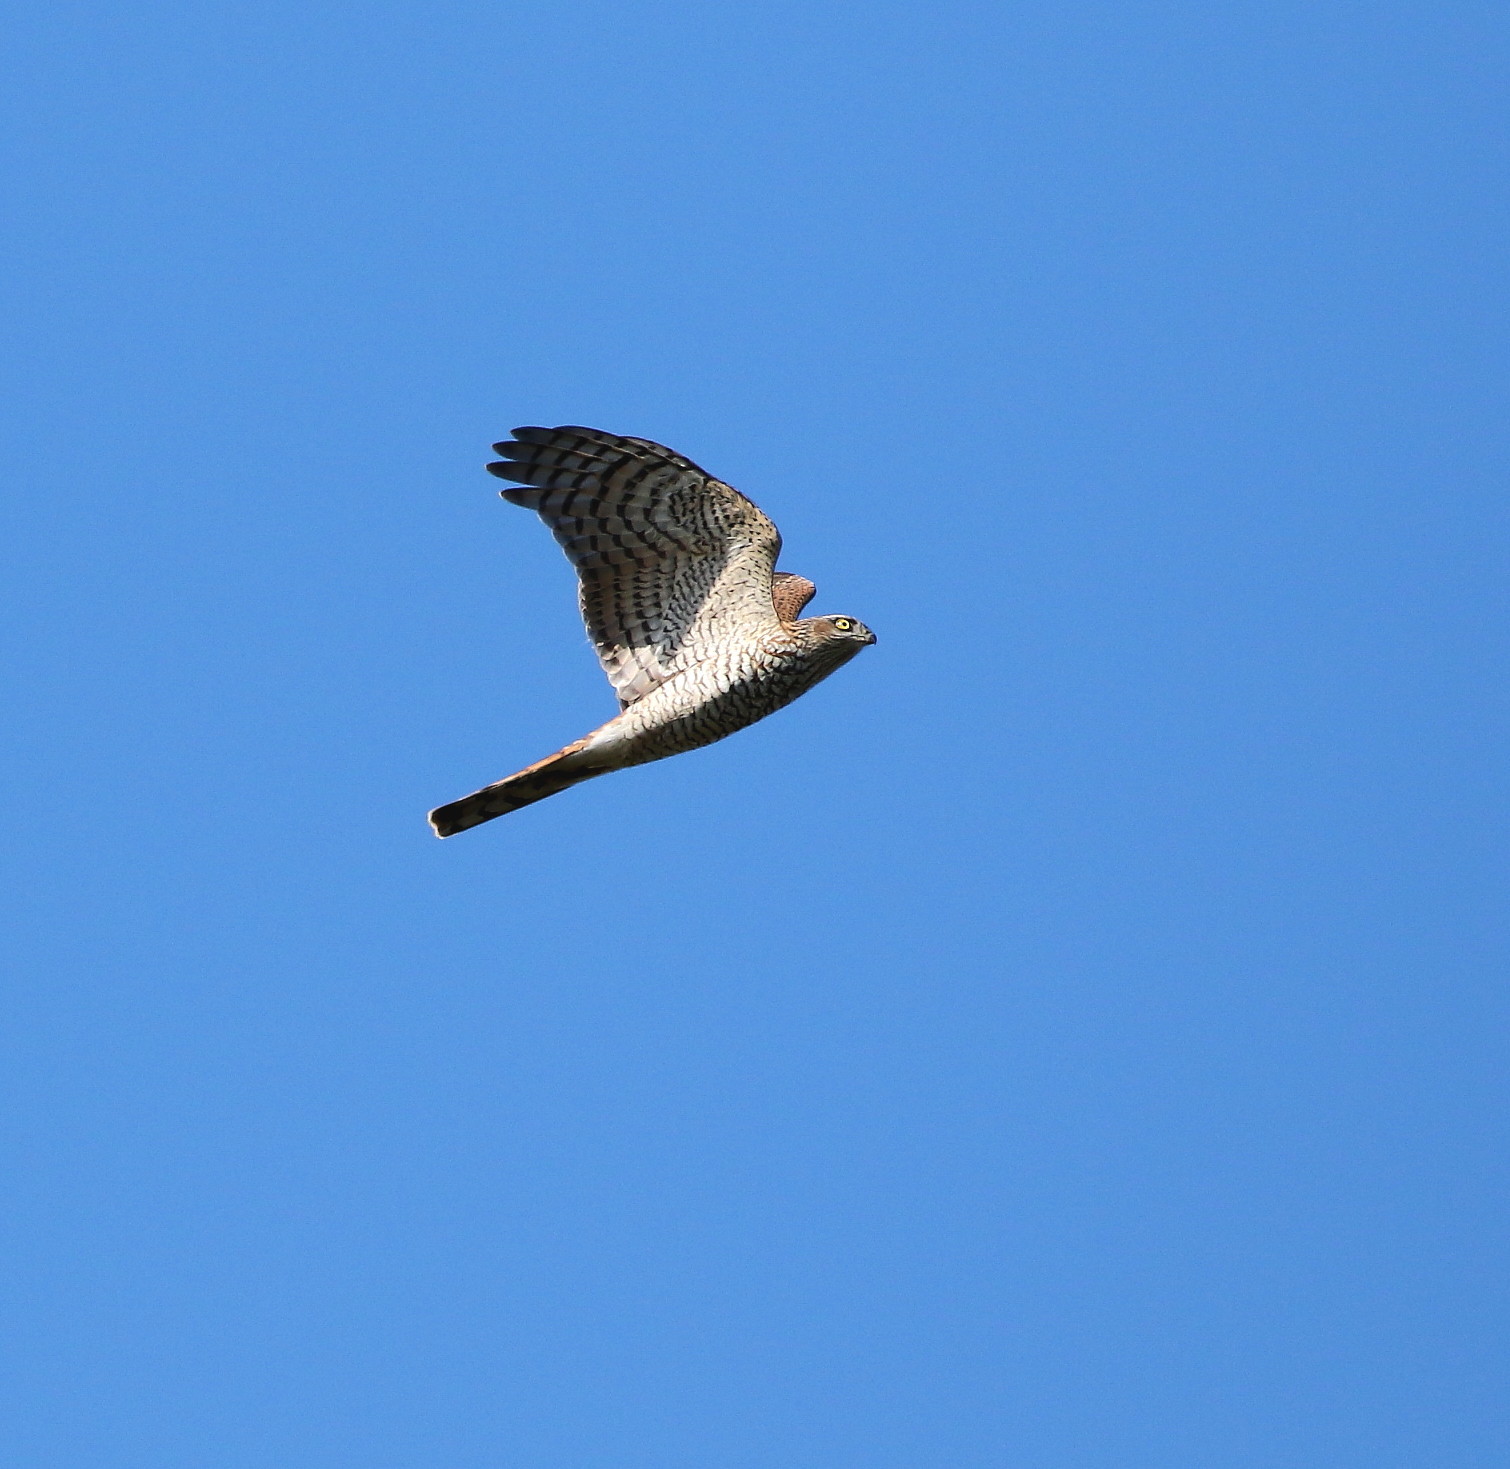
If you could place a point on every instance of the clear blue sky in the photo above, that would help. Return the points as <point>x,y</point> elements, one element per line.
<point>1073,1037</point>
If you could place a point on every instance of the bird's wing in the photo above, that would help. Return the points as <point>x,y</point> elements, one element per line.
<point>791,594</point>
<point>673,563</point>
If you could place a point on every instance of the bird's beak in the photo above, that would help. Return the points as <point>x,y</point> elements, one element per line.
<point>870,640</point>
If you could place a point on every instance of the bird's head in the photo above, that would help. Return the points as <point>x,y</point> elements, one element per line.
<point>843,631</point>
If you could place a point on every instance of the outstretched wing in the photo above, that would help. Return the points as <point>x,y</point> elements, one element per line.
<point>791,594</point>
<point>674,564</point>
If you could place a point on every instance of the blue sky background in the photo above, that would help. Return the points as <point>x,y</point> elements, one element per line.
<point>1072,1038</point>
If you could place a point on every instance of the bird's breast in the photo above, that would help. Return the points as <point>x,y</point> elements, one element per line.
<point>711,699</point>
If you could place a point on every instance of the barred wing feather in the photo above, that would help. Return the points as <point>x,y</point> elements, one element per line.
<point>673,564</point>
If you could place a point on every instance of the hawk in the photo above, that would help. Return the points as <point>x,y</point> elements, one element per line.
<point>698,632</point>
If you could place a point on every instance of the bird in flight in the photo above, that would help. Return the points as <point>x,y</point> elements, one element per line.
<point>698,632</point>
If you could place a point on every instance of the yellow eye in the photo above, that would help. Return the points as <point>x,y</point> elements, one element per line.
<point>843,624</point>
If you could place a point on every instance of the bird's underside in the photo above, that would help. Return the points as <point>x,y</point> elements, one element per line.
<point>698,633</point>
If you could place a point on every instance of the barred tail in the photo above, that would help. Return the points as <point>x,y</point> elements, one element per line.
<point>533,783</point>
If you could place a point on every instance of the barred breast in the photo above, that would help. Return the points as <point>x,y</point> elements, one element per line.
<point>711,700</point>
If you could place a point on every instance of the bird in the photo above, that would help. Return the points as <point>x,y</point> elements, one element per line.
<point>698,632</point>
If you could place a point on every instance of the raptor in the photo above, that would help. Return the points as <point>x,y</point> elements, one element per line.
<point>698,632</point>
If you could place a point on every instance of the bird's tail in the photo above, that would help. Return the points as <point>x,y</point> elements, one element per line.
<point>533,783</point>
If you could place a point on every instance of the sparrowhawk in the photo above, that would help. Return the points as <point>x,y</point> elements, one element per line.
<point>697,631</point>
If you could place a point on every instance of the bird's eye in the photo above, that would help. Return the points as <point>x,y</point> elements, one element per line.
<point>843,624</point>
